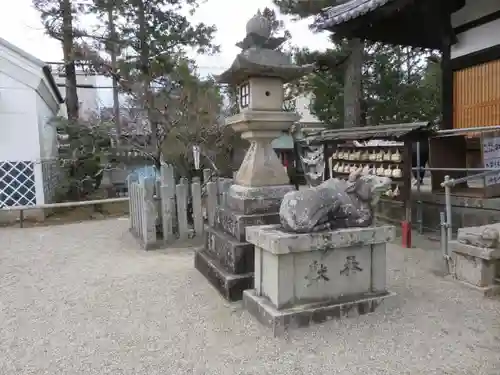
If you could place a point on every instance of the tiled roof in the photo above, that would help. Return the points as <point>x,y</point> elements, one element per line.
<point>336,15</point>
<point>392,131</point>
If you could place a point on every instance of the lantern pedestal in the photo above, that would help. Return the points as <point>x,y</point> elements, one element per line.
<point>259,73</point>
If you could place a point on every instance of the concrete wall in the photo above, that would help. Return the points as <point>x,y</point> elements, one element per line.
<point>480,37</point>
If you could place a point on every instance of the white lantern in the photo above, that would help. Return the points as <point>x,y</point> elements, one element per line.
<point>196,157</point>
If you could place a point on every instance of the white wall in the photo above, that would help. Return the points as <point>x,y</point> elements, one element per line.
<point>18,120</point>
<point>27,103</point>
<point>473,10</point>
<point>46,129</point>
<point>88,98</point>
<point>19,138</point>
<point>478,38</point>
<point>47,169</point>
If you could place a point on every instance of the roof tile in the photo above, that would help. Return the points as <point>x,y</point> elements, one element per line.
<point>336,15</point>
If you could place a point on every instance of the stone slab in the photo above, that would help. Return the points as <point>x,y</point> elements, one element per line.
<point>475,251</point>
<point>474,270</point>
<point>272,239</point>
<point>237,257</point>
<point>281,321</point>
<point>248,120</point>
<point>230,286</point>
<point>253,206</point>
<point>234,223</point>
<point>256,200</point>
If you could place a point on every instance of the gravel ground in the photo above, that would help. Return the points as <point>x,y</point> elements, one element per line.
<point>83,299</point>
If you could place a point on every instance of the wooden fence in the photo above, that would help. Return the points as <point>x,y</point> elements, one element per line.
<point>159,208</point>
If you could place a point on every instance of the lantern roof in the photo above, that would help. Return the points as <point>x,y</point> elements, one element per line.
<point>260,56</point>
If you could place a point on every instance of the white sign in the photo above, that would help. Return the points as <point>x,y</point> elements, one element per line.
<point>491,157</point>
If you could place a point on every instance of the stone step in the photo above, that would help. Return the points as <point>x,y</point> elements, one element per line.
<point>235,223</point>
<point>237,257</point>
<point>230,286</point>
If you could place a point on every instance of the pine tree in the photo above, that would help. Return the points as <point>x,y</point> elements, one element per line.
<point>58,17</point>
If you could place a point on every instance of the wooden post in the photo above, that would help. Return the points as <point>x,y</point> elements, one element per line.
<point>407,173</point>
<point>138,209</point>
<point>132,208</point>
<point>148,213</point>
<point>211,202</point>
<point>181,192</point>
<point>224,186</point>
<point>157,194</point>
<point>167,199</point>
<point>131,179</point>
<point>197,209</point>
<point>206,175</point>
<point>223,199</point>
<point>220,188</point>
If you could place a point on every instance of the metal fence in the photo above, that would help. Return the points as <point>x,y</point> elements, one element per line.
<point>481,173</point>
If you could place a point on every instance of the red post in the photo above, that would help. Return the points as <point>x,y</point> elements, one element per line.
<point>406,234</point>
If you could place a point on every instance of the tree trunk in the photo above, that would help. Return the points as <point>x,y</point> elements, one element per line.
<point>352,84</point>
<point>113,50</point>
<point>145,73</point>
<point>72,104</point>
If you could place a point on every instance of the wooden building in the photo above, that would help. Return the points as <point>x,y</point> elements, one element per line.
<point>475,63</point>
<point>467,33</point>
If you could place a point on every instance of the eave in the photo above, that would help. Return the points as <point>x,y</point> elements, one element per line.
<point>417,23</point>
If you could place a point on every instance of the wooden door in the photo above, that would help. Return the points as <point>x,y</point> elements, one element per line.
<point>476,96</point>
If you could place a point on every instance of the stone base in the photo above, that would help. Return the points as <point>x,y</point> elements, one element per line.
<point>304,315</point>
<point>487,291</point>
<point>230,286</point>
<point>235,256</point>
<point>256,200</point>
<point>477,266</point>
<point>12,217</point>
<point>293,269</point>
<point>234,223</point>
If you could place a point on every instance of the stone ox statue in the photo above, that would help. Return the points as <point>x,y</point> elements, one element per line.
<point>334,204</point>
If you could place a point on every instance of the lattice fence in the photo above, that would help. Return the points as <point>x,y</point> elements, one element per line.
<point>17,183</point>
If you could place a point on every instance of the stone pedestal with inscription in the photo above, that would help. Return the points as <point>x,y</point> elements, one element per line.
<point>312,277</point>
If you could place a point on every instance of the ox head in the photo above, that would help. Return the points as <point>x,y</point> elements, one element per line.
<point>368,187</point>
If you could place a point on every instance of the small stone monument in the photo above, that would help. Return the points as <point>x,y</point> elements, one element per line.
<point>325,259</point>
<point>476,258</point>
<point>259,73</point>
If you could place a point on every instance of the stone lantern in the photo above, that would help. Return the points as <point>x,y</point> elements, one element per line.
<point>259,73</point>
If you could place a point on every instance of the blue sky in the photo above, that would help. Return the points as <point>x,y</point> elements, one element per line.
<point>20,24</point>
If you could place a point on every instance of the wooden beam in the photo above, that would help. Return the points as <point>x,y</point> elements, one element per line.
<point>446,85</point>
